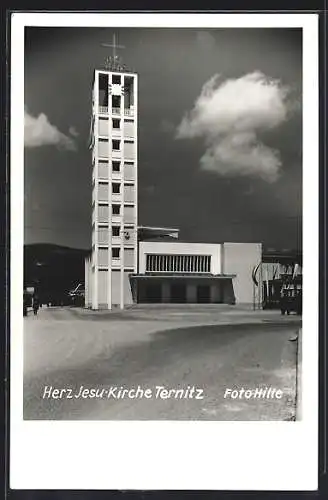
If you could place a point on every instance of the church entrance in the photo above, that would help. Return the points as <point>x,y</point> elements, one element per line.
<point>178,293</point>
<point>203,294</point>
<point>153,293</point>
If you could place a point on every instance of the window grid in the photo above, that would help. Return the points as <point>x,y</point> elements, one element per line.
<point>178,263</point>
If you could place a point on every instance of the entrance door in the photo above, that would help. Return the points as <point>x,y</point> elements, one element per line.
<point>203,294</point>
<point>178,293</point>
<point>153,293</point>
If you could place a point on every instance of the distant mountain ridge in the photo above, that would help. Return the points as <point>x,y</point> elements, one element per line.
<point>53,268</point>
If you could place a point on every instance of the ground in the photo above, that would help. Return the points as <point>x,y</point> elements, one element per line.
<point>211,348</point>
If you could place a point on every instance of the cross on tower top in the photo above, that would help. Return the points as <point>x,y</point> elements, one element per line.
<point>114,46</point>
<point>113,62</point>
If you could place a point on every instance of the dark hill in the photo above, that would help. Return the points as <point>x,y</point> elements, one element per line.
<point>53,269</point>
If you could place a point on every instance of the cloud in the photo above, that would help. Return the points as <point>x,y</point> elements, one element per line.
<point>73,131</point>
<point>38,131</point>
<point>230,116</point>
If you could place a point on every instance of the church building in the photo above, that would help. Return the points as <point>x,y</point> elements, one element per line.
<point>136,264</point>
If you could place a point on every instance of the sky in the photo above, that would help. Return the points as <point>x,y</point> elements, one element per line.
<point>220,132</point>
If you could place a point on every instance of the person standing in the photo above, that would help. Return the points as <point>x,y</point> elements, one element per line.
<point>36,304</point>
<point>25,304</point>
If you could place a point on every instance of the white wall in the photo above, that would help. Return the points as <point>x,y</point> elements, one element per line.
<point>103,127</point>
<point>103,213</point>
<point>240,259</point>
<point>103,257</point>
<point>128,299</point>
<point>129,172</point>
<point>129,257</point>
<point>129,150</point>
<point>116,286</point>
<point>103,149</point>
<point>129,215</point>
<point>103,170</point>
<point>103,235</point>
<point>129,193</point>
<point>177,248</point>
<point>129,129</point>
<point>102,192</point>
<point>102,288</point>
<point>86,281</point>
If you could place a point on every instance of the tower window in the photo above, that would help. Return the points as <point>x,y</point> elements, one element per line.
<point>116,187</point>
<point>128,94</point>
<point>103,89</point>
<point>116,209</point>
<point>116,166</point>
<point>116,101</point>
<point>116,145</point>
<point>116,79</point>
<point>116,253</point>
<point>116,123</point>
<point>116,230</point>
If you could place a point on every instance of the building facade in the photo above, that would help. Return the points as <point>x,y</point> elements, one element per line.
<point>114,143</point>
<point>180,272</point>
<point>128,264</point>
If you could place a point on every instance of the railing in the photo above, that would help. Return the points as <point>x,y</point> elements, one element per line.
<point>115,111</point>
<point>103,110</point>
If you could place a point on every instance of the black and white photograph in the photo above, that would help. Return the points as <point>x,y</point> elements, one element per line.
<point>163,223</point>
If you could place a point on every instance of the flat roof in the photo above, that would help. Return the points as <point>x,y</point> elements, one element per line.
<point>156,228</point>
<point>181,275</point>
<point>149,232</point>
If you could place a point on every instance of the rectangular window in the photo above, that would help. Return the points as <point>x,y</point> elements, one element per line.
<point>116,187</point>
<point>115,231</point>
<point>103,126</point>
<point>128,120</point>
<point>116,253</point>
<point>116,123</point>
<point>116,145</point>
<point>116,79</point>
<point>129,163</point>
<point>116,209</point>
<point>116,101</point>
<point>116,166</point>
<point>179,263</point>
<point>128,92</point>
<point>103,89</point>
<point>128,141</point>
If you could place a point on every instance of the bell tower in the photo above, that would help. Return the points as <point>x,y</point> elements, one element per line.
<point>114,147</point>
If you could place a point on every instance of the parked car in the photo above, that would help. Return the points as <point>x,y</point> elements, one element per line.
<point>77,295</point>
<point>291,299</point>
